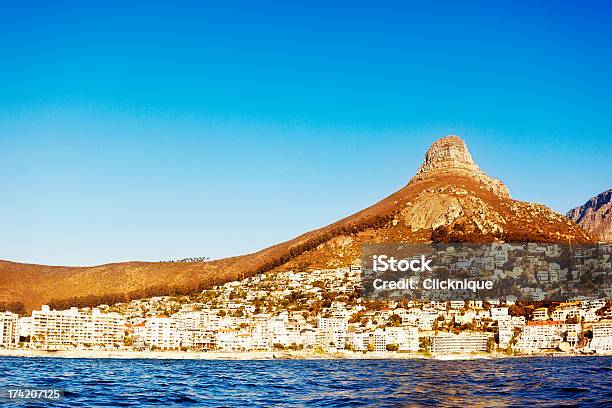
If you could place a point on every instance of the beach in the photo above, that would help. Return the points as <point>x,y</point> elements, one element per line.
<point>213,355</point>
<point>259,355</point>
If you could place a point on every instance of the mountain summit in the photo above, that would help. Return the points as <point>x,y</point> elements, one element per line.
<point>450,199</point>
<point>450,156</point>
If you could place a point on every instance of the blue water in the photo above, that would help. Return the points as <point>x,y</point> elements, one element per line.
<point>186,383</point>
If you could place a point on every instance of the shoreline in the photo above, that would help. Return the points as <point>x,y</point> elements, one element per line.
<point>260,355</point>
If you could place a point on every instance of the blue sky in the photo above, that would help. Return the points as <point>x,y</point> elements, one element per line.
<point>150,131</point>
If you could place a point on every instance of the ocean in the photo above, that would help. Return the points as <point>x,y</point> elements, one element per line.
<point>538,381</point>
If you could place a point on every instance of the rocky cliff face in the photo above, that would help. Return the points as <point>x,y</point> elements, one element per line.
<point>595,216</point>
<point>450,156</point>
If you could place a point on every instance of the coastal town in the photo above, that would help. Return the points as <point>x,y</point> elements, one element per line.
<point>504,271</point>
<point>319,312</point>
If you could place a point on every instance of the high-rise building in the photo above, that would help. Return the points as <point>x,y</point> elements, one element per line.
<point>9,333</point>
<point>76,328</point>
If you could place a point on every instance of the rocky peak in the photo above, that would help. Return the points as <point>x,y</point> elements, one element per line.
<point>450,156</point>
<point>595,216</point>
<point>448,152</point>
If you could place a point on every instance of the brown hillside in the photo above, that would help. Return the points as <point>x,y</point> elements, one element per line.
<point>450,199</point>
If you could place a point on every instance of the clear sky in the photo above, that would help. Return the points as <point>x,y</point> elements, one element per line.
<point>152,132</point>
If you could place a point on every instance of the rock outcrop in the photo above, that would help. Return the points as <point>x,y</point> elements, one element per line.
<point>450,156</point>
<point>448,206</point>
<point>595,216</point>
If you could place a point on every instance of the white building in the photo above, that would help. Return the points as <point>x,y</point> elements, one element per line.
<point>406,338</point>
<point>506,328</point>
<point>499,313</point>
<point>540,314</point>
<point>379,339</point>
<point>324,323</point>
<point>563,313</point>
<point>541,335</point>
<point>332,330</point>
<point>162,332</point>
<point>602,337</point>
<point>75,328</point>
<point>189,320</point>
<point>457,304</point>
<point>24,325</point>
<point>232,340</point>
<point>359,340</point>
<point>9,332</point>
<point>459,343</point>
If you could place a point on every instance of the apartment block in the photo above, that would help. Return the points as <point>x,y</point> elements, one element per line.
<point>9,331</point>
<point>162,332</point>
<point>602,337</point>
<point>76,328</point>
<point>541,335</point>
<point>458,343</point>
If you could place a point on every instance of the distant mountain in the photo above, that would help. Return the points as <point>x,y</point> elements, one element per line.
<point>595,216</point>
<point>450,199</point>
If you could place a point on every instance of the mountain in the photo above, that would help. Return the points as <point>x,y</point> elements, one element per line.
<point>450,199</point>
<point>595,216</point>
